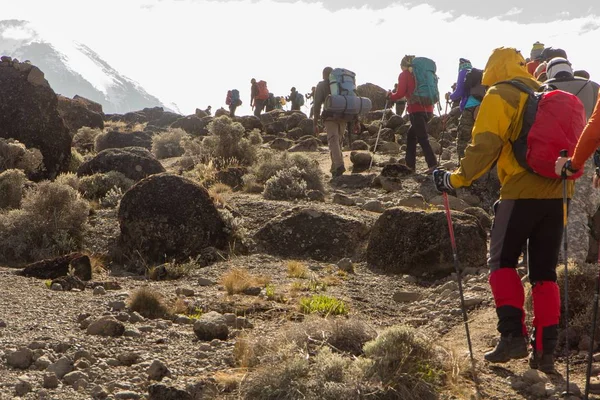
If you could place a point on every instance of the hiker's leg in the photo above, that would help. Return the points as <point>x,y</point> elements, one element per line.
<point>232,110</point>
<point>411,144</point>
<point>510,230</point>
<point>465,127</point>
<point>423,139</point>
<point>544,248</point>
<point>333,140</point>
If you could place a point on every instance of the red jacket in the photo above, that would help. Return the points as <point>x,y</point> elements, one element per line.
<point>532,66</point>
<point>406,87</point>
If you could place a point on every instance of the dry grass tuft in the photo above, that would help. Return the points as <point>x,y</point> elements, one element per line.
<point>237,280</point>
<point>148,302</point>
<point>228,381</point>
<point>296,269</point>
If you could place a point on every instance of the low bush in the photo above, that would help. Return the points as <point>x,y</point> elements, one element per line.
<point>322,304</point>
<point>286,184</point>
<point>168,144</point>
<point>14,155</point>
<point>85,138</point>
<point>226,141</point>
<point>270,163</point>
<point>113,198</point>
<point>76,161</point>
<point>69,179</point>
<point>97,186</point>
<point>51,222</point>
<point>148,302</point>
<point>11,188</point>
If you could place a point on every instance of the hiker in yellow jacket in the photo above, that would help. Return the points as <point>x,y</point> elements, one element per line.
<point>530,208</point>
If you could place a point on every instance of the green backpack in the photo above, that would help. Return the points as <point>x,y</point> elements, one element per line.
<point>426,82</point>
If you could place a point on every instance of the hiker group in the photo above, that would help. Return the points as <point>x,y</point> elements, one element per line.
<point>263,100</point>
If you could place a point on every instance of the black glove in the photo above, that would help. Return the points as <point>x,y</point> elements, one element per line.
<point>441,179</point>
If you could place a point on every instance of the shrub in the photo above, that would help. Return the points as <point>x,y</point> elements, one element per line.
<point>286,184</point>
<point>270,163</point>
<point>14,155</point>
<point>51,221</point>
<point>296,269</point>
<point>11,188</point>
<point>237,280</point>
<point>322,304</point>
<point>205,174</point>
<point>76,161</point>
<point>85,138</point>
<point>97,186</point>
<point>69,179</point>
<point>226,141</point>
<point>113,198</point>
<point>148,302</point>
<point>168,144</point>
<point>172,270</point>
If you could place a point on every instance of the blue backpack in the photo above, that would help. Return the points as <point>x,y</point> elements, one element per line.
<point>300,99</point>
<point>342,82</point>
<point>426,82</point>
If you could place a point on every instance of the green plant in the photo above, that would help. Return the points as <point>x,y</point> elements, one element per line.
<point>270,163</point>
<point>172,270</point>
<point>286,184</point>
<point>226,141</point>
<point>113,197</point>
<point>168,144</point>
<point>148,302</point>
<point>97,186</point>
<point>14,155</point>
<point>84,139</point>
<point>322,304</point>
<point>69,179</point>
<point>270,291</point>
<point>11,188</point>
<point>51,221</point>
<point>76,160</point>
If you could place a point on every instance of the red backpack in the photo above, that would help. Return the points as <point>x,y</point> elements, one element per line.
<point>263,92</point>
<point>228,98</point>
<point>552,121</point>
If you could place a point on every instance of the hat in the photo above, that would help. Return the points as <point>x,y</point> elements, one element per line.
<point>558,65</point>
<point>540,70</point>
<point>536,50</point>
<point>463,63</point>
<point>549,53</point>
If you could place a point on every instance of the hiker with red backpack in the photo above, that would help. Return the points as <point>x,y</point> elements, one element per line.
<point>524,132</point>
<point>258,96</point>
<point>233,101</point>
<point>469,91</point>
<point>420,111</point>
<point>536,57</point>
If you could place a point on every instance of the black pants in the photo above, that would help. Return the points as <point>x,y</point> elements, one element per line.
<point>515,221</point>
<point>400,106</point>
<point>258,107</point>
<point>232,109</point>
<point>418,133</point>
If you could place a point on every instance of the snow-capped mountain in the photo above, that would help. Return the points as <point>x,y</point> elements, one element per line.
<point>73,68</point>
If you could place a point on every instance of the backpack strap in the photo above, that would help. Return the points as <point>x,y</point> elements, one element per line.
<point>519,85</point>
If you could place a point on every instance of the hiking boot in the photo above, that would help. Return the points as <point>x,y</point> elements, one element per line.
<point>338,172</point>
<point>508,348</point>
<point>542,362</point>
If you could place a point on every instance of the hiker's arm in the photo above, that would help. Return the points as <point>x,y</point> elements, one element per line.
<point>401,89</point>
<point>460,86</point>
<point>490,135</point>
<point>589,140</point>
<point>319,98</point>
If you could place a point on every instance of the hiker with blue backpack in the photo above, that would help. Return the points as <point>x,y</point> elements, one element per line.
<point>418,83</point>
<point>469,92</point>
<point>233,101</point>
<point>336,93</point>
<point>524,132</point>
<point>296,98</point>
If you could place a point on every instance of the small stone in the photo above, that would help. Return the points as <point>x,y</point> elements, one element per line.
<point>50,381</point>
<point>106,326</point>
<point>135,317</point>
<point>117,305</point>
<point>73,377</point>
<point>345,264</point>
<point>122,316</point>
<point>132,333</point>
<point>343,200</point>
<point>230,318</point>
<point>157,371</point>
<point>81,384</point>
<point>42,363</point>
<point>128,358</point>
<point>205,282</point>
<point>211,325</point>
<point>22,388</point>
<point>243,323</point>
<point>538,389</point>
<point>2,324</point>
<point>406,297</point>
<point>61,367</point>
<point>159,391</point>
<point>374,206</point>
<point>252,291</point>
<point>99,393</point>
<point>316,195</point>
<point>57,287</point>
<point>185,292</point>
<point>183,320</point>
<point>99,291</point>
<point>82,364</point>
<point>473,301</point>
<point>20,359</point>
<point>127,395</point>
<point>533,376</point>
<point>113,362</point>
<point>146,328</point>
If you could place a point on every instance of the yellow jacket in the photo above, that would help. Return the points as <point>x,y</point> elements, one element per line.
<point>498,124</point>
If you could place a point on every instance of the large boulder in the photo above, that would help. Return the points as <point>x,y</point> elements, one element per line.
<point>167,217</point>
<point>250,122</point>
<point>134,162</point>
<point>76,114</point>
<point>90,104</point>
<point>119,140</point>
<point>414,242</point>
<point>311,233</point>
<point>165,120</point>
<point>377,94</point>
<point>193,125</point>
<point>76,263</point>
<point>294,120</point>
<point>29,114</point>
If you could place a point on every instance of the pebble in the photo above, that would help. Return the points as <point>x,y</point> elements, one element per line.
<point>122,316</point>
<point>23,387</point>
<point>135,317</point>
<point>406,297</point>
<point>473,301</point>
<point>62,367</point>
<point>374,206</point>
<point>117,305</point>
<point>132,333</point>
<point>20,359</point>
<point>127,394</point>
<point>185,292</point>
<point>73,377</point>
<point>345,264</point>
<point>99,291</point>
<point>50,381</point>
<point>157,370</point>
<point>205,282</point>
<point>2,324</point>
<point>533,376</point>
<point>57,287</point>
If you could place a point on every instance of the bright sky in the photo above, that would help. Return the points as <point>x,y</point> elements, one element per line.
<point>190,52</point>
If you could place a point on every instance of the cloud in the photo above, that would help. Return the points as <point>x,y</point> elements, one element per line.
<point>192,51</point>
<point>513,11</point>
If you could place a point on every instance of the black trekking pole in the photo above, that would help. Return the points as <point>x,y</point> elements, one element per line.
<point>564,153</point>
<point>588,373</point>
<point>460,289</point>
<point>378,133</point>
<point>444,122</point>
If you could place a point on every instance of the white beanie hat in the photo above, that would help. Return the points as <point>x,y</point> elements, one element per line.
<point>557,65</point>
